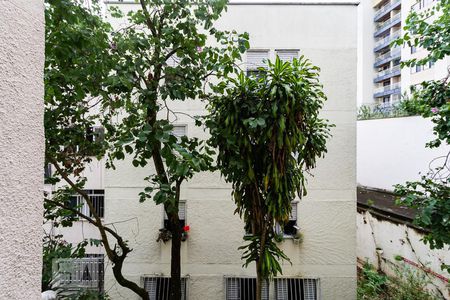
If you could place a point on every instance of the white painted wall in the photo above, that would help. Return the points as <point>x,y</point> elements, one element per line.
<point>392,151</point>
<point>393,239</point>
<point>327,215</point>
<point>21,147</point>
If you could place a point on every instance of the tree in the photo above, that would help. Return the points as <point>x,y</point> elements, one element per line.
<point>430,30</point>
<point>78,65</point>
<point>268,134</point>
<point>163,59</point>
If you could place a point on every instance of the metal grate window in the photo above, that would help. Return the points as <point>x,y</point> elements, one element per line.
<point>296,289</point>
<point>181,215</point>
<point>80,273</point>
<point>98,200</point>
<point>287,55</point>
<point>244,288</point>
<point>158,287</point>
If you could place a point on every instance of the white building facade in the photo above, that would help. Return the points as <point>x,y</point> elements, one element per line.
<point>324,263</point>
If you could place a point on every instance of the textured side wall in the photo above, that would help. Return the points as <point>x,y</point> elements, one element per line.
<point>380,248</point>
<point>21,147</point>
<point>392,151</point>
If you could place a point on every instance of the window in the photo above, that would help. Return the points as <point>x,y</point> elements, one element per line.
<point>287,55</point>
<point>244,288</point>
<point>80,273</point>
<point>290,228</point>
<point>98,200</point>
<point>158,287</point>
<point>413,49</point>
<point>47,171</point>
<point>255,60</point>
<point>95,134</point>
<point>181,215</point>
<point>179,130</point>
<point>296,288</point>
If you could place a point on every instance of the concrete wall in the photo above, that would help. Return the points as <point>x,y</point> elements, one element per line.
<point>380,248</point>
<point>326,215</point>
<point>392,151</point>
<point>21,147</point>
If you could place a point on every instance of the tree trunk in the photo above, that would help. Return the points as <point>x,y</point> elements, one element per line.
<point>117,271</point>
<point>175,264</point>
<point>259,280</point>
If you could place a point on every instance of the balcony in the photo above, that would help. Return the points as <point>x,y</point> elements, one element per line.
<point>387,90</point>
<point>383,75</point>
<point>393,4</point>
<point>385,42</point>
<point>383,26</point>
<point>387,57</point>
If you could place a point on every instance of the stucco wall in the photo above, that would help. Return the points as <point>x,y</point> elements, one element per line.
<point>326,215</point>
<point>380,248</point>
<point>21,147</point>
<point>392,151</point>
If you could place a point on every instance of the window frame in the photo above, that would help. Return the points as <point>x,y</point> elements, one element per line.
<point>184,292</point>
<point>227,279</point>
<point>82,206</point>
<point>184,221</point>
<point>301,287</point>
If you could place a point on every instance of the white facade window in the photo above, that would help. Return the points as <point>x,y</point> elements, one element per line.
<point>256,59</point>
<point>296,288</point>
<point>158,287</point>
<point>95,134</point>
<point>181,215</point>
<point>287,55</point>
<point>290,228</point>
<point>179,130</point>
<point>244,288</point>
<point>97,198</point>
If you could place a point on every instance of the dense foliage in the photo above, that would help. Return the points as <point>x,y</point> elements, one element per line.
<point>430,30</point>
<point>268,133</point>
<point>128,81</point>
<point>78,66</point>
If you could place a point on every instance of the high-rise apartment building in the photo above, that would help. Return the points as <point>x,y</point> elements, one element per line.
<point>380,78</point>
<point>387,74</point>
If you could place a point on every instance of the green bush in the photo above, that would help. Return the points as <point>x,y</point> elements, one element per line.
<point>407,284</point>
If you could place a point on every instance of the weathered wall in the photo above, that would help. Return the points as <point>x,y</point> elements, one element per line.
<point>392,151</point>
<point>21,147</point>
<point>327,215</point>
<point>400,240</point>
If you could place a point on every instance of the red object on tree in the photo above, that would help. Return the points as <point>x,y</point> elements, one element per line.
<point>186,228</point>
